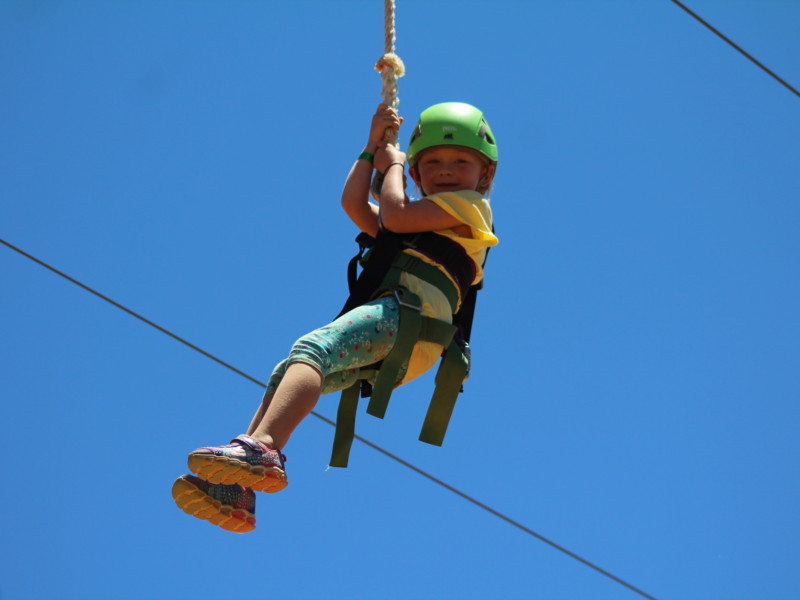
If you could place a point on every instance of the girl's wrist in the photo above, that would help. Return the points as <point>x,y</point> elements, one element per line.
<point>397,162</point>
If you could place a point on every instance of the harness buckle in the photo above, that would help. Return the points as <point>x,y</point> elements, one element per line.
<point>401,302</point>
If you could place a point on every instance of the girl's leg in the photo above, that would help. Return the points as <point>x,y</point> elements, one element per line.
<point>262,410</point>
<point>272,386</point>
<point>295,398</point>
<point>326,360</point>
<point>323,361</point>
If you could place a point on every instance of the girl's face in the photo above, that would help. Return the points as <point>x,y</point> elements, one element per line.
<point>450,169</point>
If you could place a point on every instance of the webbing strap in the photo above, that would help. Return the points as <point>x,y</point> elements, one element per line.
<point>407,336</point>
<point>449,378</point>
<point>427,272</point>
<point>437,332</point>
<point>345,426</point>
<point>413,328</point>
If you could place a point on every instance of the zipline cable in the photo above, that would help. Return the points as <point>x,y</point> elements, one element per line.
<point>736,46</point>
<point>363,440</point>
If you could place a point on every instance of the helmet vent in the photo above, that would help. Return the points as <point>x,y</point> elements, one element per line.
<point>484,134</point>
<point>416,134</point>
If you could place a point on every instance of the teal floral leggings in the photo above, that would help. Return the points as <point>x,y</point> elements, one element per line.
<point>339,350</point>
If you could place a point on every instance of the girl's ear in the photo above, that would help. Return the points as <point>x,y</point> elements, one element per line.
<point>417,181</point>
<point>413,172</point>
<point>488,175</point>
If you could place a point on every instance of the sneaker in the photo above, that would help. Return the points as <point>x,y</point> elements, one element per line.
<point>231,507</point>
<point>244,461</point>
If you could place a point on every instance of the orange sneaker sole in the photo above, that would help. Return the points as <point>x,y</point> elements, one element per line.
<point>221,469</point>
<point>193,501</point>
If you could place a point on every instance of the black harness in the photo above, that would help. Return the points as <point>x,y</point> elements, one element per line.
<point>383,260</point>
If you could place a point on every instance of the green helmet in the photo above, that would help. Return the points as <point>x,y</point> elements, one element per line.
<point>452,124</point>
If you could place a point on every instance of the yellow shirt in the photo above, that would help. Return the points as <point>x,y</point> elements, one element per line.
<point>473,210</point>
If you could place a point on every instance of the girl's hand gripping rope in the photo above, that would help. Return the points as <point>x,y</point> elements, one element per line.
<point>386,155</point>
<point>384,121</point>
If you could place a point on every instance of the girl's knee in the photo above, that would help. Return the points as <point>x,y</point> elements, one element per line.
<point>275,379</point>
<point>312,350</point>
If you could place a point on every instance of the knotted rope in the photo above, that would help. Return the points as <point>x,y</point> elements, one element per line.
<point>390,66</point>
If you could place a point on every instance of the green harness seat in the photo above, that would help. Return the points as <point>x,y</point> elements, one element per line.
<point>387,262</point>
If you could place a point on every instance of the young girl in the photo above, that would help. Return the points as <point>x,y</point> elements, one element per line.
<point>452,159</point>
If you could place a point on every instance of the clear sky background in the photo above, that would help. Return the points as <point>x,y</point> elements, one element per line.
<point>635,388</point>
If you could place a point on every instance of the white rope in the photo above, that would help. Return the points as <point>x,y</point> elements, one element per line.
<point>390,65</point>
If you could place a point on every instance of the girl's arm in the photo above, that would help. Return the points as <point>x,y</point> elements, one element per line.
<point>397,213</point>
<point>355,196</point>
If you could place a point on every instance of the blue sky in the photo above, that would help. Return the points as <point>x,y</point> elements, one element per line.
<point>634,395</point>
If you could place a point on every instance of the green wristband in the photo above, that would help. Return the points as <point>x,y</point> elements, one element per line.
<point>367,156</point>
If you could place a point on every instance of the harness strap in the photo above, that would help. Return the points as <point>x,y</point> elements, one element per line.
<point>447,254</point>
<point>451,374</point>
<point>404,262</point>
<point>413,328</point>
<point>346,424</point>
